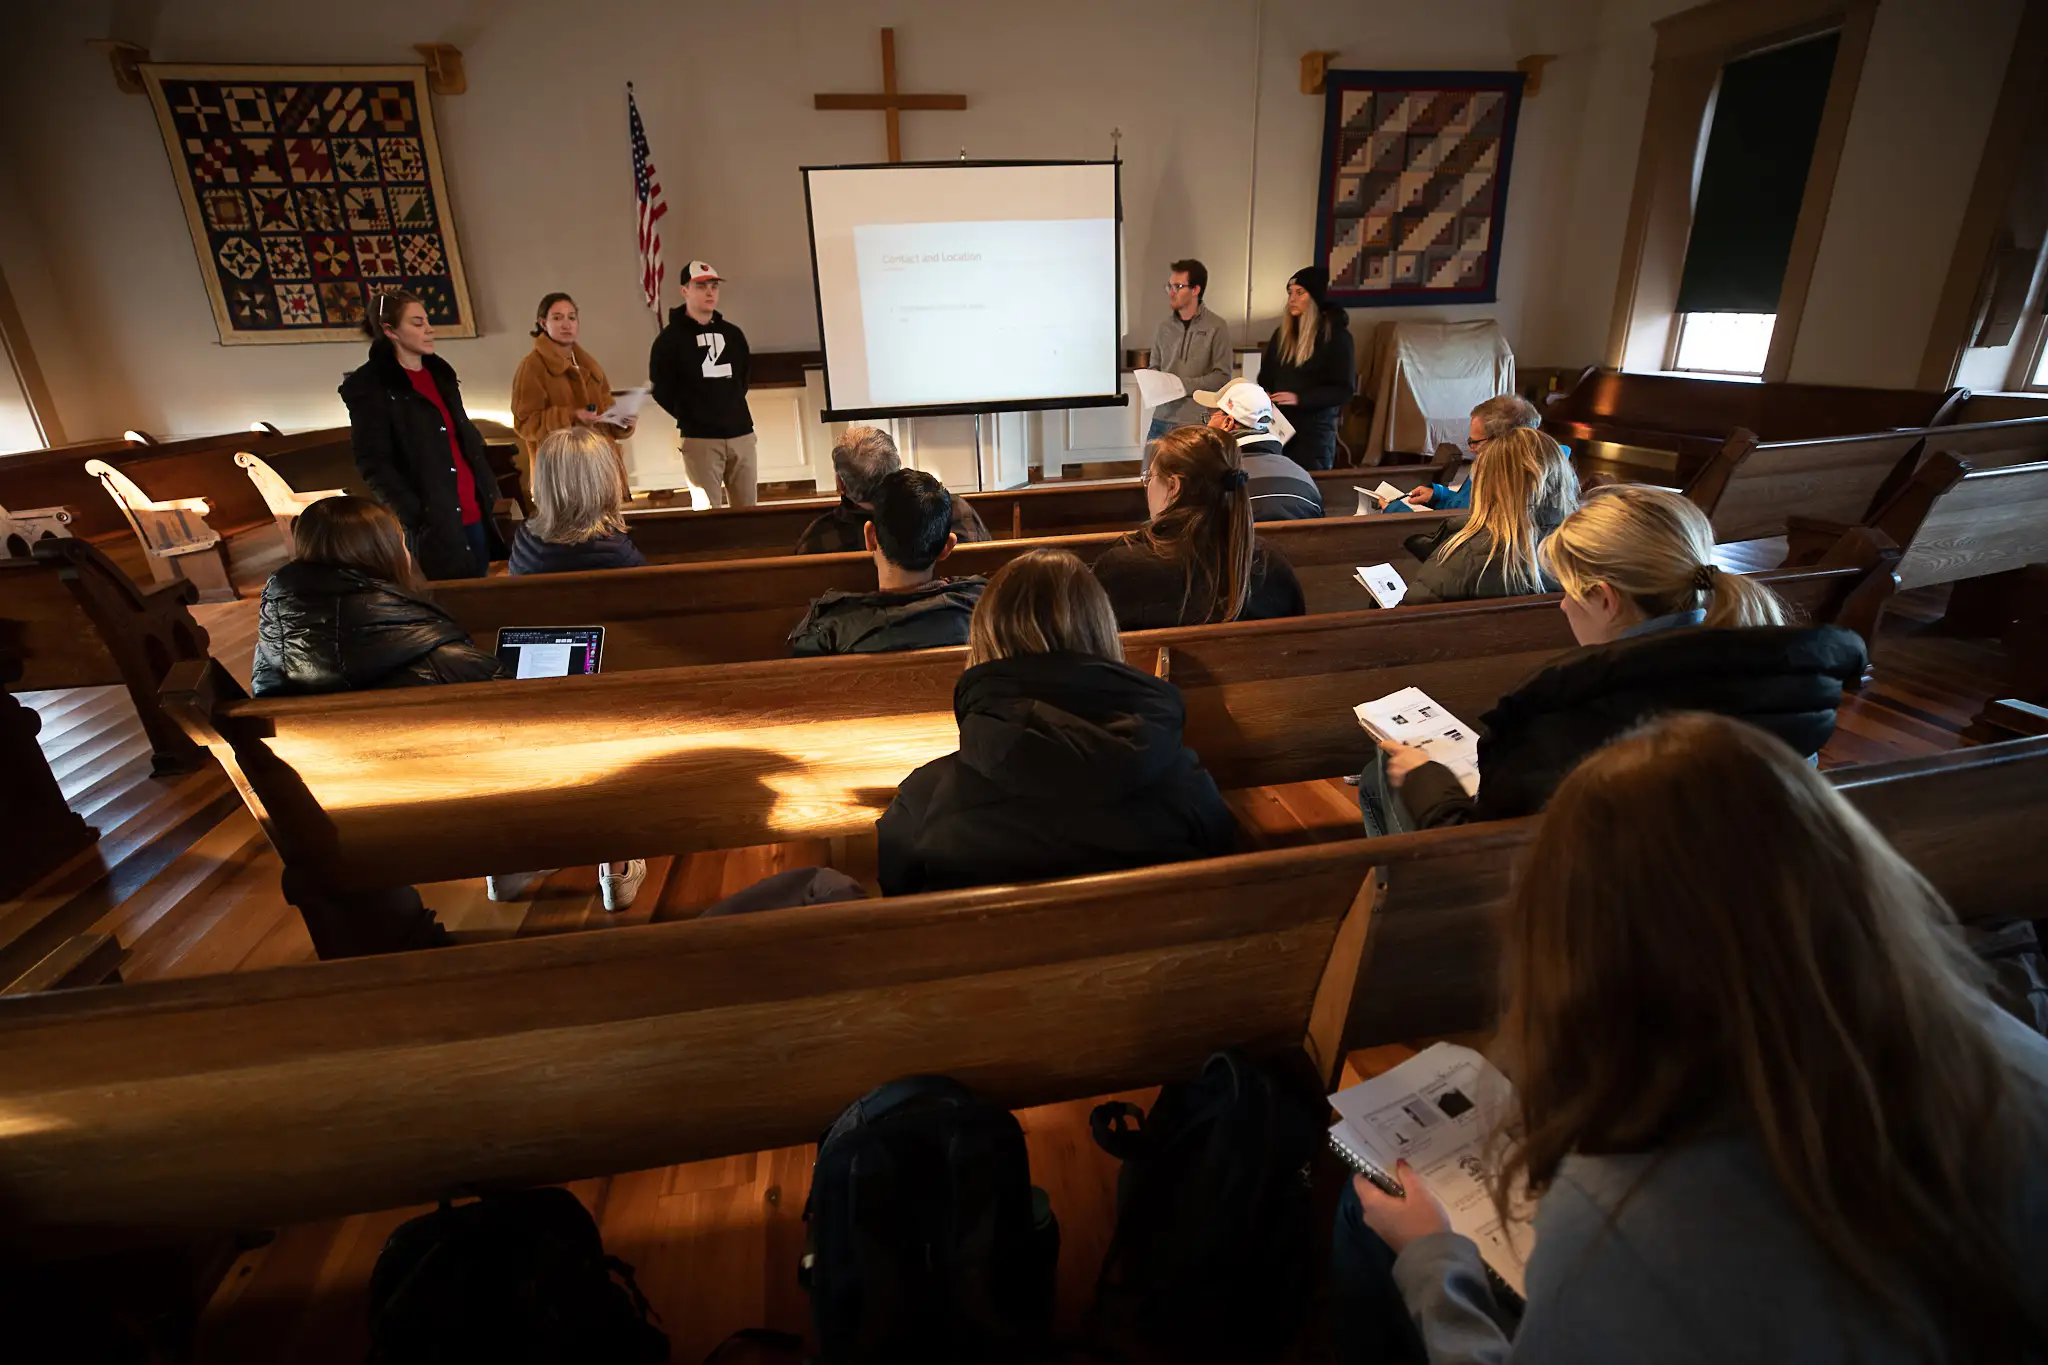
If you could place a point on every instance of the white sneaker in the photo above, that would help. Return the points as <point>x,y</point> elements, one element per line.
<point>619,888</point>
<point>516,886</point>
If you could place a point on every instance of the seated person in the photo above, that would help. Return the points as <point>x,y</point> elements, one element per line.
<point>1197,560</point>
<point>1281,490</point>
<point>1491,420</point>
<point>349,612</point>
<point>1663,629</point>
<point>579,484</point>
<point>861,458</point>
<point>1070,761</point>
<point>1768,1113</point>
<point>1522,487</point>
<point>908,532</point>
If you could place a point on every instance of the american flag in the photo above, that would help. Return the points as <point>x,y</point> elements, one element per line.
<point>647,192</point>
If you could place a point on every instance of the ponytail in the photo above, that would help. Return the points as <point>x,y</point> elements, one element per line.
<point>1208,529</point>
<point>1655,548</point>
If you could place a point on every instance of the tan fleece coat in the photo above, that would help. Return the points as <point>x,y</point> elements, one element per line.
<point>549,390</point>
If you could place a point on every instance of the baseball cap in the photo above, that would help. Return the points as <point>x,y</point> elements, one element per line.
<point>700,270</point>
<point>1245,401</point>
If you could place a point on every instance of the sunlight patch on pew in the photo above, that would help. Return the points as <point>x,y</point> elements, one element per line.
<point>15,1122</point>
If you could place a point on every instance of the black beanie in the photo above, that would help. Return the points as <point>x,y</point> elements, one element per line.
<point>1314,279</point>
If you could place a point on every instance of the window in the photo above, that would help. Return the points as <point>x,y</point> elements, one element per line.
<point>1724,343</point>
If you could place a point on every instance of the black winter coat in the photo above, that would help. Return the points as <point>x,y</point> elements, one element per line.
<point>531,554</point>
<point>323,629</point>
<point>1325,384</point>
<point>1784,679</point>
<point>401,451</point>
<point>1068,765</point>
<point>930,616</point>
<point>1151,592</point>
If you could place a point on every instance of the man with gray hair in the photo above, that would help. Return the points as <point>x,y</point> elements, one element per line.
<point>861,458</point>
<point>1491,420</point>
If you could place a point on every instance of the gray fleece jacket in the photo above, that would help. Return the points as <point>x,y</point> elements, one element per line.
<point>1705,1263</point>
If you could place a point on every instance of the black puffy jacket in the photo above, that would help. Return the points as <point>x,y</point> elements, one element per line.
<point>323,629</point>
<point>401,451</point>
<point>1784,679</point>
<point>1068,765</point>
<point>930,616</point>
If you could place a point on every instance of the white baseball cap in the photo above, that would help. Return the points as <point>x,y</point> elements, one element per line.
<point>701,270</point>
<point>1245,401</point>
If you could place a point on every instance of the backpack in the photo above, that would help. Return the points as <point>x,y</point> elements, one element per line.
<point>1216,1230</point>
<point>925,1238</point>
<point>519,1278</point>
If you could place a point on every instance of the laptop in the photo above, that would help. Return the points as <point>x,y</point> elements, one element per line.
<point>551,651</point>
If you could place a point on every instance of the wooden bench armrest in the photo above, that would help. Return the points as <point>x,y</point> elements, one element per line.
<point>81,960</point>
<point>190,693</point>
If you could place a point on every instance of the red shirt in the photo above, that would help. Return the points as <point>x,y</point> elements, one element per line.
<point>465,480</point>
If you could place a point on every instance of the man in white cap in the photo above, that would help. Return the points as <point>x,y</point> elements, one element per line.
<point>1281,490</point>
<point>699,372</point>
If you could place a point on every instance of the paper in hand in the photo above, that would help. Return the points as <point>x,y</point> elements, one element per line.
<point>1413,718</point>
<point>1379,497</point>
<point>625,408</point>
<point>1157,386</point>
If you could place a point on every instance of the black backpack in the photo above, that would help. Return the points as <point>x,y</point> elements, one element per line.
<point>519,1278</point>
<point>1217,1233</point>
<point>926,1239</point>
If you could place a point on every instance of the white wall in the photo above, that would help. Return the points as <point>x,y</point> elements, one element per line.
<point>94,242</point>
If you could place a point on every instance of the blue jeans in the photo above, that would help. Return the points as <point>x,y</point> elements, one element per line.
<point>479,546</point>
<point>1162,425</point>
<point>1379,805</point>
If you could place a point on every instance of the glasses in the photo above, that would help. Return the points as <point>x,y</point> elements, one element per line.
<point>1176,288</point>
<point>1475,446</point>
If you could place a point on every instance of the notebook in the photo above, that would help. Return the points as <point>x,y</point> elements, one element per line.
<point>1440,1112</point>
<point>1414,718</point>
<point>550,651</point>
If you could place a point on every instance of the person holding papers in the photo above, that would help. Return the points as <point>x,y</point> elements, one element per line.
<point>1491,420</point>
<point>1763,1105</point>
<point>1280,489</point>
<point>558,385</point>
<point>1522,487</point>
<point>1662,629</point>
<point>1192,344</point>
<point>1197,560</point>
<point>576,524</point>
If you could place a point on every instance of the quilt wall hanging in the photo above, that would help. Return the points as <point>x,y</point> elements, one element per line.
<point>1415,184</point>
<point>307,188</point>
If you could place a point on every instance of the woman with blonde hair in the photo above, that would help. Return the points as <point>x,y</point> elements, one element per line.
<point>1070,760</point>
<point>1522,487</point>
<point>1662,628</point>
<point>1759,1091</point>
<point>1311,368</point>
<point>1198,560</point>
<point>578,487</point>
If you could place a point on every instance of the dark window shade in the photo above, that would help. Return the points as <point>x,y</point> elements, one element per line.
<point>1766,120</point>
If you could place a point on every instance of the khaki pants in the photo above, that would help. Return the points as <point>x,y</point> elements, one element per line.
<point>724,469</point>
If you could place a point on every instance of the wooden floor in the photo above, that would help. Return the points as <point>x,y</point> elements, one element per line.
<point>186,882</point>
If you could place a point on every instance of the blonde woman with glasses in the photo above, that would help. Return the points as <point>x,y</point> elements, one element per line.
<point>1662,628</point>
<point>578,488</point>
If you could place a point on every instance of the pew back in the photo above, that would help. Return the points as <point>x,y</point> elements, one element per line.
<point>424,784</point>
<point>1748,496</point>
<point>672,616</point>
<point>1990,521</point>
<point>1694,416</point>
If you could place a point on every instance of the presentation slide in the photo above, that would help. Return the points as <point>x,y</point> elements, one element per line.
<point>966,286</point>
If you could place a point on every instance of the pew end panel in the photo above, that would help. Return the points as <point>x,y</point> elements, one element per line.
<point>174,534</point>
<point>284,501</point>
<point>236,1101</point>
<point>20,529</point>
<point>1989,521</point>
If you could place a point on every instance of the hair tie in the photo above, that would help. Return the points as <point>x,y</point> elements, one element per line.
<point>1703,578</point>
<point>1234,479</point>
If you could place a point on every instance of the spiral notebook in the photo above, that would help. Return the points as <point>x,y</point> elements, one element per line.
<point>1438,1111</point>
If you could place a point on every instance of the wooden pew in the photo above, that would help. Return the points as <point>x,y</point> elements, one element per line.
<point>75,620</point>
<point>682,535</point>
<point>201,467</point>
<point>1418,956</point>
<point>237,1101</point>
<point>81,960</point>
<point>285,502</point>
<point>42,831</point>
<point>425,784</point>
<point>177,541</point>
<point>731,611</point>
<point>1692,418</point>
<point>22,527</point>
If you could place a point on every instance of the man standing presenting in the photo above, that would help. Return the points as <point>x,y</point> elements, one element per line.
<point>699,372</point>
<point>1193,343</point>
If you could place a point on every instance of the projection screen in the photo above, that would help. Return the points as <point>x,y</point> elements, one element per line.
<point>966,286</point>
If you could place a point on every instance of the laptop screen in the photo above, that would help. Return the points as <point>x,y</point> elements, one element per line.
<point>551,651</point>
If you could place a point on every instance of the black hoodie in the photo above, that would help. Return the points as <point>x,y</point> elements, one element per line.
<point>699,373</point>
<point>1784,679</point>
<point>1068,765</point>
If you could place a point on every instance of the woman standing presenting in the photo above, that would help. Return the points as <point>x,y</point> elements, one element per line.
<point>558,385</point>
<point>1310,368</point>
<point>416,447</point>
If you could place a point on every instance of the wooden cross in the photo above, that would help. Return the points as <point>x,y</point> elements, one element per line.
<point>889,101</point>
